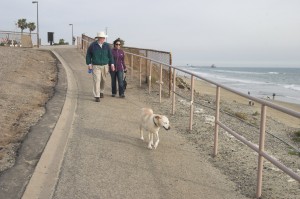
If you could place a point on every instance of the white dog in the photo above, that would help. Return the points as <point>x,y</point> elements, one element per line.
<point>152,123</point>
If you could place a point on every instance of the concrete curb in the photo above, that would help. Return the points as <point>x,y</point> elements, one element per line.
<point>43,181</point>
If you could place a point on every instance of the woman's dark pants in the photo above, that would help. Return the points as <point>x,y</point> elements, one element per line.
<point>117,76</point>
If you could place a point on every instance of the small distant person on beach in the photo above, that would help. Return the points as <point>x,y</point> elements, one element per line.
<point>250,101</point>
<point>120,69</point>
<point>98,58</point>
<point>274,96</point>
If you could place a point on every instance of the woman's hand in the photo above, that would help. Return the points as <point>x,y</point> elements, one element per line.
<point>112,67</point>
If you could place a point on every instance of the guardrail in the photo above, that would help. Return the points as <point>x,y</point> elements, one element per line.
<point>167,73</point>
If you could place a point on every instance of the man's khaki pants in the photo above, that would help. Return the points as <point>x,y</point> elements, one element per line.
<point>99,77</point>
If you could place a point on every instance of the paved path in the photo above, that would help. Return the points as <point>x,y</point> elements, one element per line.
<point>95,151</point>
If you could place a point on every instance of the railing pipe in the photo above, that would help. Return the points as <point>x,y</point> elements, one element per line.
<point>149,80</point>
<point>140,72</point>
<point>216,137</point>
<point>131,65</point>
<point>160,82</point>
<point>261,149</point>
<point>173,93</point>
<point>192,103</point>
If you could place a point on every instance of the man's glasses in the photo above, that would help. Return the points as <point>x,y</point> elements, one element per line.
<point>118,44</point>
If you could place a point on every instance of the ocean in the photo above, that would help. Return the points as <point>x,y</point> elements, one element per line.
<point>259,82</point>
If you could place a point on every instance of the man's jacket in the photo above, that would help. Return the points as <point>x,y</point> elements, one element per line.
<point>96,55</point>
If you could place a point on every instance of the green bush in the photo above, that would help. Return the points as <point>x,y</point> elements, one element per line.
<point>256,113</point>
<point>296,136</point>
<point>241,115</point>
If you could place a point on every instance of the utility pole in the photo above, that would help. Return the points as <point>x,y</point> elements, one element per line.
<point>37,22</point>
<point>72,40</point>
<point>106,33</point>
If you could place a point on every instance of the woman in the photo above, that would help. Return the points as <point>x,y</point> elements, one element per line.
<point>119,71</point>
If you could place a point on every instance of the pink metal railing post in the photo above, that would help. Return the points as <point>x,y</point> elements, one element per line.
<point>173,93</point>
<point>216,137</point>
<point>160,82</point>
<point>140,72</point>
<point>261,149</point>
<point>131,66</point>
<point>192,102</point>
<point>149,80</point>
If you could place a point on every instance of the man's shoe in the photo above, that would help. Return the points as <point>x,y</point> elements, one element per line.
<point>113,95</point>
<point>97,99</point>
<point>101,95</point>
<point>122,96</point>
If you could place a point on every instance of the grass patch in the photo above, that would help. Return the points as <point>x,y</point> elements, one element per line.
<point>296,136</point>
<point>294,153</point>
<point>241,115</point>
<point>256,113</point>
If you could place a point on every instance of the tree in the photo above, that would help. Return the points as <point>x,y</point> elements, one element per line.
<point>22,24</point>
<point>31,26</point>
<point>62,42</point>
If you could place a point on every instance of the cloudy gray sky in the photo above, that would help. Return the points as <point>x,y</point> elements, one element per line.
<point>198,32</point>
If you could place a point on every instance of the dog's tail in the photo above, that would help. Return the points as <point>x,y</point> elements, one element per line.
<point>147,111</point>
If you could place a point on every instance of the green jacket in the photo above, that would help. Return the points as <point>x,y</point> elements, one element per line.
<point>96,55</point>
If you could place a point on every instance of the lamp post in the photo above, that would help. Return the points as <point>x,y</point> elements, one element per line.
<point>37,22</point>
<point>72,34</point>
<point>106,33</point>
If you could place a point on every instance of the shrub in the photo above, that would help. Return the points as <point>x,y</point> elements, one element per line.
<point>256,113</point>
<point>296,136</point>
<point>241,115</point>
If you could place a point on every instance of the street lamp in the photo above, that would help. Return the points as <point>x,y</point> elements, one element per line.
<point>37,22</point>
<point>72,34</point>
<point>37,11</point>
<point>106,33</point>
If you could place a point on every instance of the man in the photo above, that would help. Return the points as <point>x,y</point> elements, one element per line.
<point>99,58</point>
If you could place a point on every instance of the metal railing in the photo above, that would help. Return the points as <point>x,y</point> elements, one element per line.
<point>264,104</point>
<point>165,74</point>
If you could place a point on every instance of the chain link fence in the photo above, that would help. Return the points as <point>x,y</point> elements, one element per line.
<point>18,39</point>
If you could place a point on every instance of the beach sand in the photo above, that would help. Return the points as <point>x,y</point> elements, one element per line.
<point>208,89</point>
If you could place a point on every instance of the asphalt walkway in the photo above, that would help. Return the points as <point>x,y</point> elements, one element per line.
<point>95,150</point>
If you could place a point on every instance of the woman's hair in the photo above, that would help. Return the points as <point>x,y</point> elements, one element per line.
<point>117,40</point>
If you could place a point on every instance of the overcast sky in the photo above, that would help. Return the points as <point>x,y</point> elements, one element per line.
<point>197,32</point>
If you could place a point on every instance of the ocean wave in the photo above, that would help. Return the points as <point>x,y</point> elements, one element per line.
<point>224,79</point>
<point>274,73</point>
<point>293,87</point>
<point>239,72</point>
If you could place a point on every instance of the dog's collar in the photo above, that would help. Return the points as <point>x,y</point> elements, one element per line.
<point>154,122</point>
